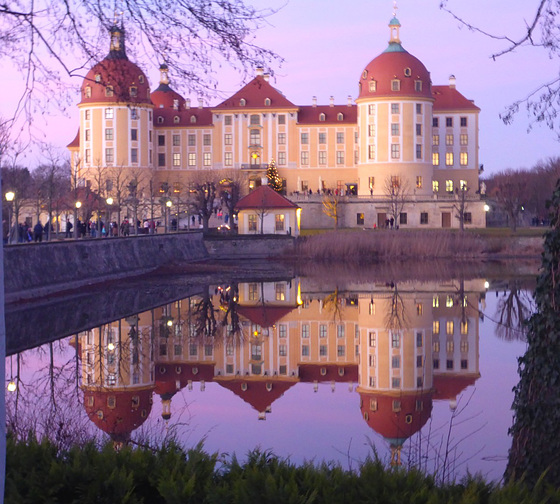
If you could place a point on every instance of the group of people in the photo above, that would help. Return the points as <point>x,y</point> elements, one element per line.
<point>25,233</point>
<point>94,228</point>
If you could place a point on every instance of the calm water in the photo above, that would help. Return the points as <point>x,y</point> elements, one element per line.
<point>420,372</point>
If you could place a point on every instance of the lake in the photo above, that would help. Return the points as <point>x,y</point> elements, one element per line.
<point>416,372</point>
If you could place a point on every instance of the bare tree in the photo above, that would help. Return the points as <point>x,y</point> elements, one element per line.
<point>332,207</point>
<point>509,190</point>
<point>460,206</point>
<point>397,192</point>
<point>232,188</point>
<point>17,180</point>
<point>204,186</point>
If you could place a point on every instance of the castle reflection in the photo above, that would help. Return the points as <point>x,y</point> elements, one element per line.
<point>398,347</point>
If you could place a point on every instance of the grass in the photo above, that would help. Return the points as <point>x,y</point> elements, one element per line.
<point>39,472</point>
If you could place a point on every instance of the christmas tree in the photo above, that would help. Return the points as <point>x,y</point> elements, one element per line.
<point>274,180</point>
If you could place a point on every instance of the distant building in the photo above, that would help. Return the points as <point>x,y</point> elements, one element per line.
<point>401,135</point>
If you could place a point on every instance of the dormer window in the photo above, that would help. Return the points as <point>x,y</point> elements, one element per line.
<point>133,91</point>
<point>87,92</point>
<point>321,117</point>
<point>193,119</point>
<point>176,119</point>
<point>242,102</point>
<point>395,85</point>
<point>418,85</point>
<point>340,117</point>
<point>176,104</point>
<point>407,72</point>
<point>109,91</point>
<point>372,86</point>
<point>141,79</point>
<point>364,74</point>
<point>267,102</point>
<point>97,77</point>
<point>160,120</point>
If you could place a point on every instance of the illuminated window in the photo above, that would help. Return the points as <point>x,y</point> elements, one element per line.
<point>419,182</point>
<point>192,159</point>
<point>395,151</point>
<point>372,86</point>
<point>176,159</point>
<point>435,139</point>
<point>304,157</point>
<point>449,186</point>
<point>371,130</point>
<point>371,109</point>
<point>228,159</point>
<point>449,326</point>
<point>109,113</point>
<point>449,301</point>
<point>464,139</point>
<point>435,327</point>
<point>252,220</point>
<point>435,346</point>
<point>371,152</point>
<point>435,160</point>
<point>464,159</point>
<point>464,328</point>
<point>207,159</point>
<point>448,139</point>
<point>449,158</point>
<point>279,220</point>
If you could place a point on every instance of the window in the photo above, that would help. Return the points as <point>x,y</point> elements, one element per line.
<point>227,120</point>
<point>282,330</point>
<point>305,331</point>
<point>360,219</point>
<point>371,109</point>
<point>395,85</point>
<point>463,122</point>
<point>395,151</point>
<point>339,157</point>
<point>403,218</point>
<point>305,350</point>
<point>419,339</point>
<point>254,137</point>
<point>109,113</point>
<point>464,139</point>
<point>371,151</point>
<point>281,119</point>
<point>192,159</point>
<point>418,108</point>
<point>228,159</point>
<point>207,159</point>
<point>193,119</point>
<point>340,117</point>
<point>304,157</point>
<point>464,331</point>
<point>206,139</point>
<point>340,331</point>
<point>322,350</point>
<point>228,139</point>
<point>253,287</point>
<point>322,157</point>
<point>449,186</point>
<point>176,140</point>
<point>449,326</point>
<point>395,340</point>
<point>464,159</point>
<point>322,138</point>
<point>133,91</point>
<point>109,155</point>
<point>395,129</point>
<point>340,351</point>
<point>435,139</point>
<point>419,382</point>
<point>279,220</point>
<point>322,117</point>
<point>419,181</point>
<point>87,115</point>
<point>436,363</point>
<point>448,139</point>
<point>161,140</point>
<point>396,383</point>
<point>449,364</point>
<point>282,350</point>
<point>88,155</point>
<point>88,92</point>
<point>424,218</point>
<point>192,140</point>
<point>255,120</point>
<point>467,218</point>
<point>109,91</point>
<point>242,102</point>
<point>281,158</point>
<point>435,186</point>
<point>88,135</point>
<point>340,138</point>
<point>418,86</point>
<point>449,122</point>
<point>371,130</point>
<point>418,152</point>
<point>281,138</point>
<point>419,130</point>
<point>305,138</point>
<point>435,161</point>
<point>449,158</point>
<point>394,108</point>
<point>176,159</point>
<point>134,155</point>
<point>372,86</point>
<point>161,159</point>
<point>435,122</point>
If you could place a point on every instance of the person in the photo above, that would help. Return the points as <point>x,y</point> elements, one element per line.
<point>69,227</point>
<point>38,231</point>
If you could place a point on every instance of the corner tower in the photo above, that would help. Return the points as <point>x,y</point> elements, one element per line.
<point>395,105</point>
<point>115,113</point>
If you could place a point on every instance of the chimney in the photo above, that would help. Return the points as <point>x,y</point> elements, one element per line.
<point>452,81</point>
<point>314,101</point>
<point>200,102</point>
<point>266,77</point>
<point>332,101</point>
<point>188,103</point>
<point>349,101</point>
<point>260,71</point>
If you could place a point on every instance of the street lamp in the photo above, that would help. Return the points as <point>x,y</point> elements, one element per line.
<point>168,205</point>
<point>109,201</point>
<point>77,206</point>
<point>12,236</point>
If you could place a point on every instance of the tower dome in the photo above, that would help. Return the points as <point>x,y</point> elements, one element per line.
<point>164,96</point>
<point>395,72</point>
<point>116,79</point>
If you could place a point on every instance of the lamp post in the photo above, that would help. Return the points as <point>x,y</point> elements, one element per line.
<point>109,202</point>
<point>12,233</point>
<point>77,206</point>
<point>168,205</point>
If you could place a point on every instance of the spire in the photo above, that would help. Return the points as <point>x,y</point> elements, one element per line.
<point>164,74</point>
<point>117,47</point>
<point>394,27</point>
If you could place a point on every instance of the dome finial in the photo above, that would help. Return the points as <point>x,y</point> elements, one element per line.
<point>395,8</point>
<point>394,26</point>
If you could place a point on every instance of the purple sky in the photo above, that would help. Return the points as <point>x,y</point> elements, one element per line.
<point>327,43</point>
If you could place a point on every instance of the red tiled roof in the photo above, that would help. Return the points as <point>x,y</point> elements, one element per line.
<point>311,114</point>
<point>264,197</point>
<point>265,316</point>
<point>254,94</point>
<point>328,372</point>
<point>203,117</point>
<point>450,386</point>
<point>448,98</point>
<point>170,375</point>
<point>256,392</point>
<point>76,142</point>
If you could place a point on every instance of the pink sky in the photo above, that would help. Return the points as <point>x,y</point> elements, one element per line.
<point>327,43</point>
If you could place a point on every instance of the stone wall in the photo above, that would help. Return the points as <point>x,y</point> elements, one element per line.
<point>32,270</point>
<point>249,246</point>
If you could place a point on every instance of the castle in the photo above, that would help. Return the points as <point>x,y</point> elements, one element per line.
<point>404,148</point>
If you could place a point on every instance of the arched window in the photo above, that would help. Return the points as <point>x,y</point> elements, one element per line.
<point>242,102</point>
<point>176,119</point>
<point>340,116</point>
<point>321,117</point>
<point>193,119</point>
<point>160,120</point>
<point>267,102</point>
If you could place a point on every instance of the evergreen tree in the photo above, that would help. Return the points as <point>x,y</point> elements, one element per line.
<point>274,179</point>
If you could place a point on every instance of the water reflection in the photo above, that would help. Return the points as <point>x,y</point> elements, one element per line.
<point>398,348</point>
